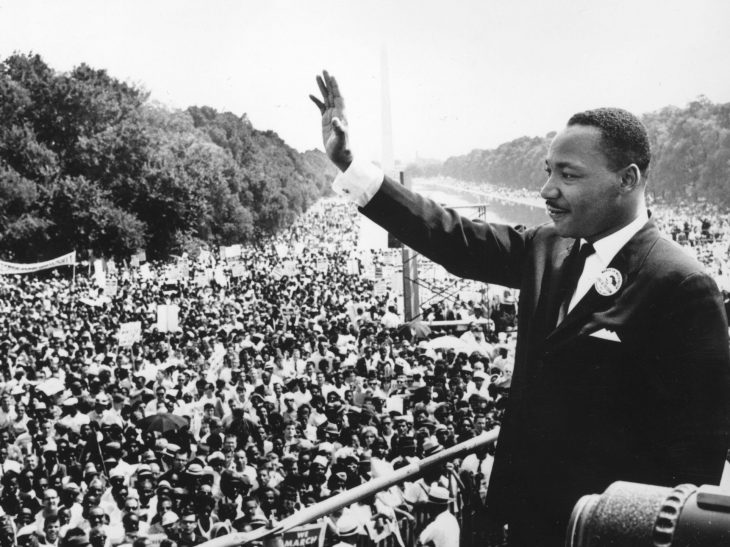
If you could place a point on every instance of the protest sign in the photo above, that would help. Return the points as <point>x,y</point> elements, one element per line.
<point>310,535</point>
<point>394,404</point>
<point>282,250</point>
<point>111,286</point>
<point>289,267</point>
<point>238,270</point>
<point>168,318</point>
<point>129,333</point>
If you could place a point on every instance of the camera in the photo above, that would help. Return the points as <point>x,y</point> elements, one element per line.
<point>636,515</point>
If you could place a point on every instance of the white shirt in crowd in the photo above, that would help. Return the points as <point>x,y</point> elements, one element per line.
<point>442,532</point>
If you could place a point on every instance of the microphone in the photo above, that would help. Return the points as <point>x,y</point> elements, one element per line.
<point>629,514</point>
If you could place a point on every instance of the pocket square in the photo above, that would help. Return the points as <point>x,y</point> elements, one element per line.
<point>605,334</point>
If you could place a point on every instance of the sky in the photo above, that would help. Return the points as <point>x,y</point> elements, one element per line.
<point>463,74</point>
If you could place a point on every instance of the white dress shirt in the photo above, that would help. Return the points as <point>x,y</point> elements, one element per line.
<point>606,248</point>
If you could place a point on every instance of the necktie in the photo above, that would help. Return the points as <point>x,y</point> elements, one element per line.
<point>574,269</point>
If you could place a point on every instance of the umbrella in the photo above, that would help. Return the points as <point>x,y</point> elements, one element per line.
<point>51,387</point>
<point>449,342</point>
<point>419,329</point>
<point>163,422</point>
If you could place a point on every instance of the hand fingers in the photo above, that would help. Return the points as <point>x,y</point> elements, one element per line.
<point>334,88</point>
<point>319,103</point>
<point>323,90</point>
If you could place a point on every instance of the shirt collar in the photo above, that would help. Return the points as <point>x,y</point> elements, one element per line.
<point>609,246</point>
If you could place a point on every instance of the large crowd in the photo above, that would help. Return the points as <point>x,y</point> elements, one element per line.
<point>286,376</point>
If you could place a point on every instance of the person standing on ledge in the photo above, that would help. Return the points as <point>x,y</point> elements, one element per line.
<point>622,365</point>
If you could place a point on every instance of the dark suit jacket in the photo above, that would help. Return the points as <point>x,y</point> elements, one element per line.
<point>583,411</point>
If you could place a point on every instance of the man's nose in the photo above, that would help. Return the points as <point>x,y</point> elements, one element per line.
<point>549,190</point>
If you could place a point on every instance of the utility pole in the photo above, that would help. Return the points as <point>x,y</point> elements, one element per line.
<point>411,301</point>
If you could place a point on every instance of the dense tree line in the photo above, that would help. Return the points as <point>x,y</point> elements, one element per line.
<point>89,163</point>
<point>691,157</point>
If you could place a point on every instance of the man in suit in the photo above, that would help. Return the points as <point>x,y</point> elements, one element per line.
<point>622,366</point>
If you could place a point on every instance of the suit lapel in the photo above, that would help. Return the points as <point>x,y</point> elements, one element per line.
<point>627,261</point>
<point>549,299</point>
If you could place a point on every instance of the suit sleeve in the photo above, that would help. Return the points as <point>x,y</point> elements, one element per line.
<point>693,383</point>
<point>492,253</point>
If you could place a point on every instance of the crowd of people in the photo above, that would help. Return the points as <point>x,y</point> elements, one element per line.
<point>286,378</point>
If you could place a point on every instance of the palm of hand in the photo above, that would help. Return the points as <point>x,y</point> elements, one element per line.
<point>334,123</point>
<point>334,143</point>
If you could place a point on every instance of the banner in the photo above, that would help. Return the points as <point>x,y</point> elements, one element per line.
<point>310,535</point>
<point>129,333</point>
<point>232,251</point>
<point>14,268</point>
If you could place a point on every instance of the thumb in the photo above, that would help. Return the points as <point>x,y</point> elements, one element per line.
<point>338,126</point>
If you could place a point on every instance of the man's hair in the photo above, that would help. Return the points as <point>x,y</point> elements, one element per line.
<point>623,136</point>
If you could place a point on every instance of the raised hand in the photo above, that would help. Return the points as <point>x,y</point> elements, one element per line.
<point>334,123</point>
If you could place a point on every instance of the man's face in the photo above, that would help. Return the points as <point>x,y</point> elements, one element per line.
<point>51,529</point>
<point>188,523</point>
<point>180,461</point>
<point>131,506</point>
<point>50,499</point>
<point>230,443</point>
<point>582,193</point>
<point>250,508</point>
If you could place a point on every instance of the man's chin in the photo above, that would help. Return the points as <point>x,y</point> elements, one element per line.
<point>563,227</point>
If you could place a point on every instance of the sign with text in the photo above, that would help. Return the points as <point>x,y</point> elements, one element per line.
<point>311,535</point>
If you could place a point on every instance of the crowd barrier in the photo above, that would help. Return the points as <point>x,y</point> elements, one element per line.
<point>410,472</point>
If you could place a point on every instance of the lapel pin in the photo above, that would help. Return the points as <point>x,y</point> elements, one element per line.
<point>609,282</point>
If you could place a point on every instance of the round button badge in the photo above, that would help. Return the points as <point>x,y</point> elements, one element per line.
<point>609,282</point>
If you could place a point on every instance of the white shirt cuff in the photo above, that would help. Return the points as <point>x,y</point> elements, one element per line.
<point>359,183</point>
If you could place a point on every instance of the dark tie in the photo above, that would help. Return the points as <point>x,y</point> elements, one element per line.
<point>573,270</point>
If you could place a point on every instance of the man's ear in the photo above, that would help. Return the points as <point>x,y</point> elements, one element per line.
<point>630,178</point>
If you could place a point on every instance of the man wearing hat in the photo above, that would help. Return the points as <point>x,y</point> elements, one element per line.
<point>72,418</point>
<point>443,530</point>
<point>347,531</point>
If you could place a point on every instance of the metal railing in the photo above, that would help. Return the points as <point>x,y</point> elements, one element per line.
<point>363,491</point>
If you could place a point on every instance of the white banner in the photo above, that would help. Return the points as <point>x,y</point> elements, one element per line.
<point>14,268</point>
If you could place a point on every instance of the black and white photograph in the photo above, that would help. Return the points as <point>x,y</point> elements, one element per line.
<point>404,273</point>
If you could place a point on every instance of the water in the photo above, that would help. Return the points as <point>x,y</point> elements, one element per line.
<point>499,209</point>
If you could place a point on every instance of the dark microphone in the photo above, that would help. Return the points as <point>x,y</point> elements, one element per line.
<point>628,514</point>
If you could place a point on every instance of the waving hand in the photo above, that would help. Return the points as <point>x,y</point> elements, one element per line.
<point>334,122</point>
